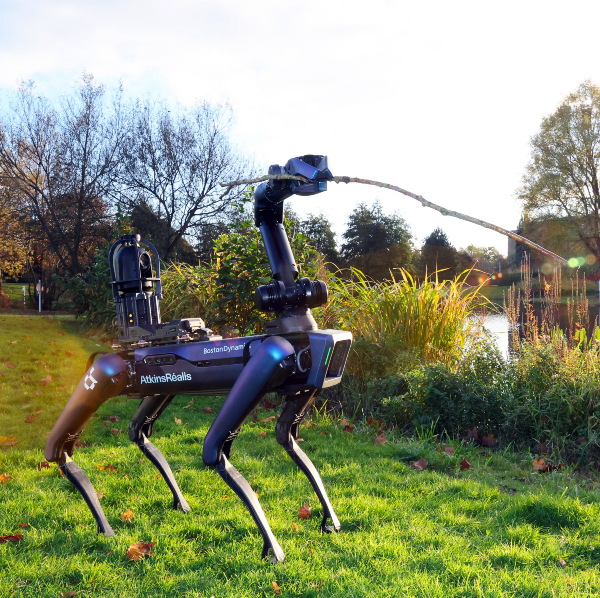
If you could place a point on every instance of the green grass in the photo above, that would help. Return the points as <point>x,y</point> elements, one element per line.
<point>497,529</point>
<point>15,291</point>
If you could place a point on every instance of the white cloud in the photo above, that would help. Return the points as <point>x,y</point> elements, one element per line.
<point>437,97</point>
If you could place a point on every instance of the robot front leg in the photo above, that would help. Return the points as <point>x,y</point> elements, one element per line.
<point>269,366</point>
<point>140,429</point>
<point>105,379</point>
<point>286,432</point>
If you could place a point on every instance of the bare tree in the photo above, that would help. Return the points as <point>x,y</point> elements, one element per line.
<point>174,161</point>
<point>63,161</point>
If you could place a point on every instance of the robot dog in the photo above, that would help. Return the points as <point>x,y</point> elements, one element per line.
<point>157,361</point>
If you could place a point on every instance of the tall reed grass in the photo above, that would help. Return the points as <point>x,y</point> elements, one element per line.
<point>404,319</point>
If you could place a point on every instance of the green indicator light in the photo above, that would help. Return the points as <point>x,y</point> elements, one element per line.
<point>327,358</point>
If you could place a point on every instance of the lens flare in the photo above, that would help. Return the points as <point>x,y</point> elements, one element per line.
<point>590,259</point>
<point>573,262</point>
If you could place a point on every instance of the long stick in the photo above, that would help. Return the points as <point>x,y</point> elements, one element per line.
<point>419,198</point>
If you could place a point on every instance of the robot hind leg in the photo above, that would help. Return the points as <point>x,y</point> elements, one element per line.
<point>105,379</point>
<point>140,429</point>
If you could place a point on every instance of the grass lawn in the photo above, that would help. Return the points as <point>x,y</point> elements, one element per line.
<point>496,529</point>
<point>15,291</point>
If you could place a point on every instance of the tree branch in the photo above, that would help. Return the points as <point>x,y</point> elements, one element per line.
<point>419,198</point>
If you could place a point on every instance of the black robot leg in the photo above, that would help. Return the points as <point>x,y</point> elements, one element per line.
<point>140,429</point>
<point>268,367</point>
<point>287,431</point>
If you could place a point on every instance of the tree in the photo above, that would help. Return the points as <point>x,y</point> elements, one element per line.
<point>437,253</point>
<point>561,179</point>
<point>174,160</point>
<point>14,242</point>
<point>369,230</point>
<point>62,162</point>
<point>317,229</point>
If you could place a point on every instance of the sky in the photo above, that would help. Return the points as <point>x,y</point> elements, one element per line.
<point>440,98</point>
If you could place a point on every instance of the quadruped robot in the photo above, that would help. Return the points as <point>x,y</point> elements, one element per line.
<point>157,361</point>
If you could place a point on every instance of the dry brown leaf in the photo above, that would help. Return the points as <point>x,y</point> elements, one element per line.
<point>25,525</point>
<point>449,450</point>
<point>39,411</point>
<point>109,468</point>
<point>61,388</point>
<point>349,428</point>
<point>10,441</point>
<point>99,494</point>
<point>420,465</point>
<point>263,433</point>
<point>43,465</point>
<point>540,465</point>
<point>178,421</point>
<point>4,477</point>
<point>295,526</point>
<point>81,443</point>
<point>157,476</point>
<point>267,419</point>
<point>69,353</point>
<point>275,587</point>
<point>45,381</point>
<point>116,431</point>
<point>207,410</point>
<point>68,594</point>
<point>381,439</point>
<point>489,440</point>
<point>127,516</point>
<point>114,418</point>
<point>344,422</point>
<point>30,419</point>
<point>139,550</point>
<point>9,365</point>
<point>305,512</point>
<point>464,465</point>
<point>15,538</point>
<point>324,433</point>
<point>562,562</point>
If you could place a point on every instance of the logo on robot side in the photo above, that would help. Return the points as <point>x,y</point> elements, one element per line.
<point>165,378</point>
<point>93,380</point>
<point>224,349</point>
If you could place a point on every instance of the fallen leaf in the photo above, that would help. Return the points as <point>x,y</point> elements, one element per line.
<point>275,587</point>
<point>25,525</point>
<point>115,431</point>
<point>157,476</point>
<point>81,443</point>
<point>464,465</point>
<point>324,433</point>
<point>62,388</point>
<point>420,465</point>
<point>267,419</point>
<point>540,465</point>
<point>99,494</point>
<point>43,465</point>
<point>449,450</point>
<point>344,422</point>
<point>139,550</point>
<point>114,418</point>
<point>348,428</point>
<point>109,468</point>
<point>45,381</point>
<point>207,410</point>
<point>562,562</point>
<point>30,419</point>
<point>15,538</point>
<point>39,411</point>
<point>305,512</point>
<point>295,526</point>
<point>489,440</point>
<point>4,477</point>
<point>127,516</point>
<point>178,421</point>
<point>472,434</point>
<point>263,433</point>
<point>69,353</point>
<point>381,439</point>
<point>9,365</point>
<point>10,441</point>
<point>68,594</point>
<point>268,404</point>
